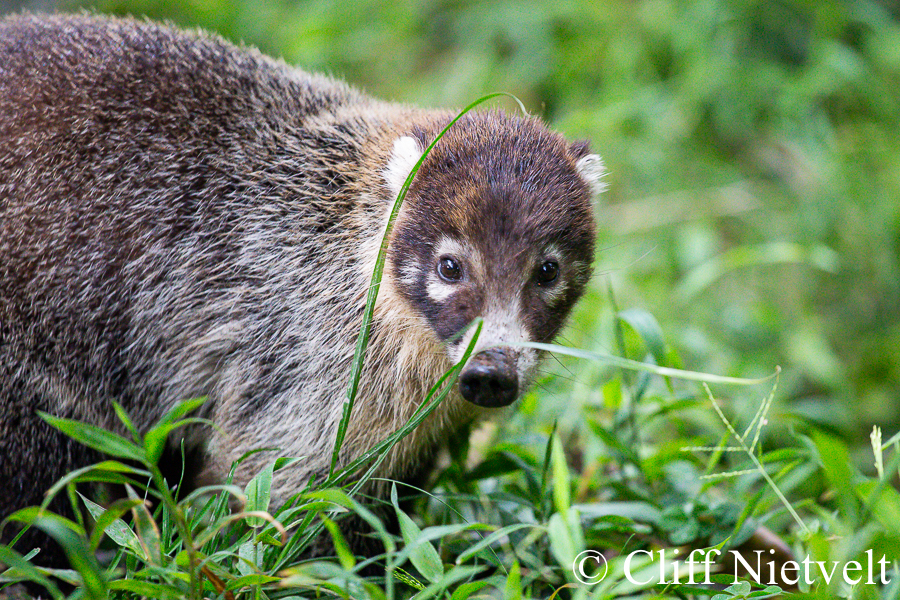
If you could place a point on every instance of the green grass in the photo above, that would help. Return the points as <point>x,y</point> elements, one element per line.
<point>509,526</point>
<point>751,222</point>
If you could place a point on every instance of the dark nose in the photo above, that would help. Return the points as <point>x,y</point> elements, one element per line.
<point>490,379</point>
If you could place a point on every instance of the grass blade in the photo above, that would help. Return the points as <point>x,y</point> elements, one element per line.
<point>646,367</point>
<point>366,327</point>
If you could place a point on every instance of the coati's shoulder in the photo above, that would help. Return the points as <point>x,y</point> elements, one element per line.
<point>100,62</point>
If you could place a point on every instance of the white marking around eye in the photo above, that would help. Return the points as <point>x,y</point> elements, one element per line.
<point>470,262</point>
<point>451,247</point>
<point>557,290</point>
<point>439,290</point>
<point>470,259</point>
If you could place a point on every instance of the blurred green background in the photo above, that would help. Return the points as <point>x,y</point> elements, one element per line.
<point>752,147</point>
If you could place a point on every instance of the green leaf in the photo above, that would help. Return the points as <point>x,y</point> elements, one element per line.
<point>487,541</point>
<point>450,579</point>
<point>30,515</point>
<point>341,499</point>
<point>561,543</point>
<point>147,530</point>
<point>156,439</point>
<point>252,579</point>
<point>268,539</point>
<point>183,408</point>
<point>258,492</point>
<point>893,440</point>
<point>341,547</point>
<point>108,521</point>
<point>25,571</point>
<point>75,546</point>
<point>466,590</point>
<point>513,590</point>
<point>422,553</point>
<point>741,588</point>
<point>126,420</point>
<point>225,490</point>
<point>836,461</point>
<point>634,510</point>
<point>146,589</point>
<point>561,479</point>
<point>767,591</point>
<point>646,325</point>
<point>249,555</point>
<point>545,471</point>
<point>107,471</point>
<point>613,442</point>
<point>97,438</point>
<point>885,507</point>
<point>634,365</point>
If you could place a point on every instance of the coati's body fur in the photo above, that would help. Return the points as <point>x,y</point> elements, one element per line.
<point>180,217</point>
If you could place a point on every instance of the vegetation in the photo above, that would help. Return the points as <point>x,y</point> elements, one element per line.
<point>751,222</point>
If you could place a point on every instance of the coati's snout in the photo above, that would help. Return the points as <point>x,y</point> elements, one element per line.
<point>490,379</point>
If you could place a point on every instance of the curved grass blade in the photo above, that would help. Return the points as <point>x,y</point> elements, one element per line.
<point>97,438</point>
<point>71,537</point>
<point>646,367</point>
<point>379,452</point>
<point>21,569</point>
<point>365,329</point>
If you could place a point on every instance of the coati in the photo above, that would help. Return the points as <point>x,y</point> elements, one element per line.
<point>181,217</point>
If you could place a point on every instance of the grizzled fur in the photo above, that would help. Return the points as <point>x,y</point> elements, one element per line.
<point>180,217</point>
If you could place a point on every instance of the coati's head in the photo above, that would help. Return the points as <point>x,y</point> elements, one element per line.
<point>498,224</point>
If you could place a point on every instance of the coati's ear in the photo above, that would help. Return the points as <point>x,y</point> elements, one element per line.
<point>404,157</point>
<point>589,166</point>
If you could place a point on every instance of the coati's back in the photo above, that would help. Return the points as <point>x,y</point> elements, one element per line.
<point>148,182</point>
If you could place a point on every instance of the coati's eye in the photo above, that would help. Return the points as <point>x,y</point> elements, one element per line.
<point>449,269</point>
<point>548,272</point>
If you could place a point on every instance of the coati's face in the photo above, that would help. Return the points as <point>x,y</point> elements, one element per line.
<point>497,224</point>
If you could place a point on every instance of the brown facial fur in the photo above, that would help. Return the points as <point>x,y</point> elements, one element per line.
<point>181,217</point>
<point>505,185</point>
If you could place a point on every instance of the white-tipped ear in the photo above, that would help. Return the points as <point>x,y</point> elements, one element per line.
<point>592,170</point>
<point>404,157</point>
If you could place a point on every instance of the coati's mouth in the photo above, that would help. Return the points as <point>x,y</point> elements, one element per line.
<point>490,379</point>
